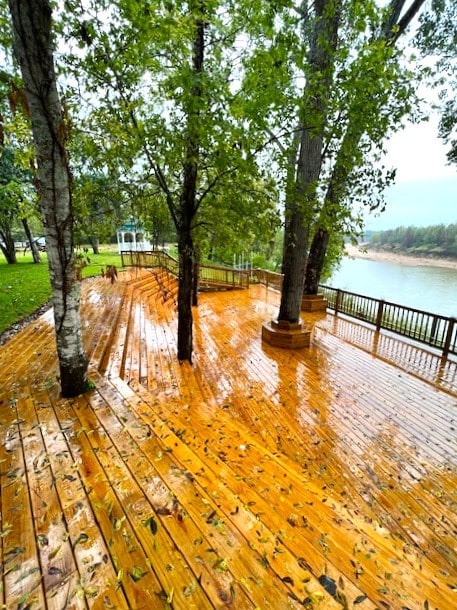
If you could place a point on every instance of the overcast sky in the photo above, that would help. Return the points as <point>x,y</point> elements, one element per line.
<point>425,192</point>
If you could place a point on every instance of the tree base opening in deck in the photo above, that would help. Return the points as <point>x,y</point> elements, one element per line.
<point>313,302</point>
<point>280,333</point>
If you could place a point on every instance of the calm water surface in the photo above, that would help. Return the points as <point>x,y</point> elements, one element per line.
<point>431,289</point>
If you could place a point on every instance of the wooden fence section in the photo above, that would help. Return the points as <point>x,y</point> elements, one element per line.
<point>210,276</point>
<point>432,329</point>
<point>270,279</point>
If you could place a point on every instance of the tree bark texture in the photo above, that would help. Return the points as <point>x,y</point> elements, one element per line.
<point>301,201</point>
<point>33,47</point>
<point>315,262</point>
<point>195,276</point>
<point>185,289</point>
<point>7,245</point>
<point>33,247</point>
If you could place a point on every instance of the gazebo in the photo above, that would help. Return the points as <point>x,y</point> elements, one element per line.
<point>131,236</point>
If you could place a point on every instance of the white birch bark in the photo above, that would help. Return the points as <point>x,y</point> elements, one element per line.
<point>33,47</point>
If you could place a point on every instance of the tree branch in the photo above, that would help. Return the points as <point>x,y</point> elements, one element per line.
<point>394,27</point>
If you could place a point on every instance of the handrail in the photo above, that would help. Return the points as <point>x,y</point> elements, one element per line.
<point>208,274</point>
<point>269,278</point>
<point>435,330</point>
<point>432,329</point>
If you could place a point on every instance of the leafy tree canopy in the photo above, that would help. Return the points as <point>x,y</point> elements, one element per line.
<point>437,38</point>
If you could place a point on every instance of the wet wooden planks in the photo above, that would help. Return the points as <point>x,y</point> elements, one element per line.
<point>327,476</point>
<point>397,463</point>
<point>413,514</point>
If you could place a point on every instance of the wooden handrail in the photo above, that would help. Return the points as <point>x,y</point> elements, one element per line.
<point>208,274</point>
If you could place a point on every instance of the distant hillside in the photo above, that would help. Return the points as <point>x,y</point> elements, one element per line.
<point>433,241</point>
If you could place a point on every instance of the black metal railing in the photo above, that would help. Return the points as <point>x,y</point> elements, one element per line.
<point>432,329</point>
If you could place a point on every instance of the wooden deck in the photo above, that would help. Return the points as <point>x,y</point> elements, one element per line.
<point>254,478</point>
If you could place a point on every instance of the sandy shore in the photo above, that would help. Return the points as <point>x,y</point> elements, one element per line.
<point>402,259</point>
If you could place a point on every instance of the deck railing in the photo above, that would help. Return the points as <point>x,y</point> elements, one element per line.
<point>269,278</point>
<point>209,274</point>
<point>432,329</point>
<point>224,276</point>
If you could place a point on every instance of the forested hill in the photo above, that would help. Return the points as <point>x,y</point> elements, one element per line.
<point>433,241</point>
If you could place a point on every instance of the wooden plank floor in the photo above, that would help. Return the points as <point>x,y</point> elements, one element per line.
<point>253,478</point>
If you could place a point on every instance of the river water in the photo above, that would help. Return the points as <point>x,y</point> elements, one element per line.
<point>427,288</point>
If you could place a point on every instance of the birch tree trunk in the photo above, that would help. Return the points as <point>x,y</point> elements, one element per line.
<point>33,46</point>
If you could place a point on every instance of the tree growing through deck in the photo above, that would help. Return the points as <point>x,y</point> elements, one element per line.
<point>172,117</point>
<point>347,109</point>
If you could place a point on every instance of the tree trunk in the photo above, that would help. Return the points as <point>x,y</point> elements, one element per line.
<point>32,243</point>
<point>186,263</point>
<point>94,242</point>
<point>315,262</point>
<point>293,267</point>
<point>301,200</point>
<point>7,246</point>
<point>195,276</point>
<point>33,47</point>
<point>188,205</point>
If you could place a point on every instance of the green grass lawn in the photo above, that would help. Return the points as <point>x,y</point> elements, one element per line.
<point>24,287</point>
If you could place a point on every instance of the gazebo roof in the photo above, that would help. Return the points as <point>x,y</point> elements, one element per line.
<point>131,224</point>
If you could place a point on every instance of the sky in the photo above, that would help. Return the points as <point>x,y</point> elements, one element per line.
<point>425,190</point>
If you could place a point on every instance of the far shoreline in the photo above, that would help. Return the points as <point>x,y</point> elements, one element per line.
<point>400,259</point>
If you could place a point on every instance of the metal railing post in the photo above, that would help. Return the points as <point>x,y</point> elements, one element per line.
<point>337,300</point>
<point>379,314</point>
<point>447,341</point>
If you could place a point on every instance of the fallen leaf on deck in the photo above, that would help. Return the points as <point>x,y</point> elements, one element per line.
<point>137,573</point>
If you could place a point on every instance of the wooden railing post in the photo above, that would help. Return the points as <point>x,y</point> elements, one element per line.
<point>379,314</point>
<point>447,341</point>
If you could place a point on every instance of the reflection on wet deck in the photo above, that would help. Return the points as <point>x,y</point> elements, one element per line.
<point>413,359</point>
<point>253,478</point>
